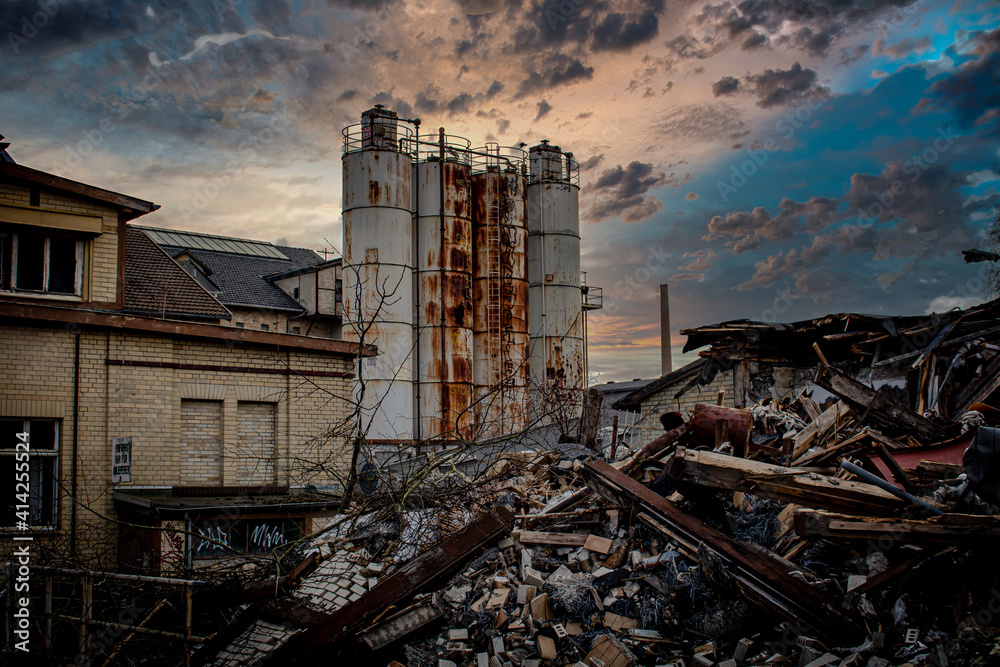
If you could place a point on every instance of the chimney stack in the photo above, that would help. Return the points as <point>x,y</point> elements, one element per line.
<point>666,363</point>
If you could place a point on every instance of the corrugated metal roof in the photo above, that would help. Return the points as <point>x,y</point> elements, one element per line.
<point>227,244</point>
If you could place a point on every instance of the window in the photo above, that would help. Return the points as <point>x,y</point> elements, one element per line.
<point>40,262</point>
<point>339,295</point>
<point>40,482</point>
<point>239,325</point>
<point>264,327</point>
<point>295,293</point>
<point>296,330</point>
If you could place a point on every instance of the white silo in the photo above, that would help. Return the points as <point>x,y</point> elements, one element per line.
<point>377,271</point>
<point>555,317</point>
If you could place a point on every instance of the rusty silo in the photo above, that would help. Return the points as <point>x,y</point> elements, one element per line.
<point>377,271</point>
<point>442,202</point>
<point>555,320</point>
<point>500,289</point>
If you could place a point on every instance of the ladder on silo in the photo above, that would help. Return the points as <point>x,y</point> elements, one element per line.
<point>494,283</point>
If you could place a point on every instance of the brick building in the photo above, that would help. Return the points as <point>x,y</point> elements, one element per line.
<point>145,408</point>
<point>678,391</point>
<point>265,286</point>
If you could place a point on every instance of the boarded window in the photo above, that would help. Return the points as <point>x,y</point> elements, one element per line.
<point>201,443</point>
<point>256,452</point>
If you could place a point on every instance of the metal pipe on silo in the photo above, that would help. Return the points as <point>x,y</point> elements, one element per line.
<point>500,291</point>
<point>554,295</point>
<point>377,271</point>
<point>444,276</point>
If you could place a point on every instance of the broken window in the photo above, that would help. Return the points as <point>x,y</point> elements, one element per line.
<point>35,483</point>
<point>40,262</point>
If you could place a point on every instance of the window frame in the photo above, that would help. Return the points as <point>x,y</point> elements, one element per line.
<point>49,486</point>
<point>9,263</point>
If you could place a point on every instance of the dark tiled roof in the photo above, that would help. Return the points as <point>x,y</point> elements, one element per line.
<point>240,277</point>
<point>156,286</point>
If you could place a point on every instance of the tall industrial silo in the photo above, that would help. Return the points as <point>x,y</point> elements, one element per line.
<point>500,290</point>
<point>555,317</point>
<point>377,271</point>
<point>443,204</point>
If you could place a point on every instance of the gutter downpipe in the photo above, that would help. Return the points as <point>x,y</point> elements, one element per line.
<point>76,432</point>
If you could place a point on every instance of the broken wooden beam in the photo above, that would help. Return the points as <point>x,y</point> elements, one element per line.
<point>553,539</point>
<point>886,412</point>
<point>946,529</point>
<point>801,486</point>
<point>420,572</point>
<point>763,579</point>
<point>818,428</point>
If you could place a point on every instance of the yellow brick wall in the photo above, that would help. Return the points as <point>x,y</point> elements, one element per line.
<point>100,274</point>
<point>663,400</point>
<point>36,374</point>
<point>201,442</point>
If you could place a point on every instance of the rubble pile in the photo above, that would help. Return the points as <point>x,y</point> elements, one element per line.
<point>854,533</point>
<point>776,556</point>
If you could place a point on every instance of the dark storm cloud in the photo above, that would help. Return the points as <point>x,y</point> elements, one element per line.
<point>913,208</point>
<point>555,71</point>
<point>29,29</point>
<point>592,162</point>
<point>598,26</point>
<point>621,192</point>
<point>753,42</point>
<point>972,91</point>
<point>922,193</point>
<point>432,100</point>
<point>749,228</point>
<point>495,89</point>
<point>727,85</point>
<point>775,87</point>
<point>813,27</point>
<point>543,110</point>
<point>617,33</point>
<point>814,42</point>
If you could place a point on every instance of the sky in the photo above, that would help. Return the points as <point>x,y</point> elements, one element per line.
<point>774,160</point>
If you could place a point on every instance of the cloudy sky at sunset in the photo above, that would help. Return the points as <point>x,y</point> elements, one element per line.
<point>769,159</point>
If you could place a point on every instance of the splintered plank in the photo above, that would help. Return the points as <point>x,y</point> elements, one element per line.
<point>762,578</point>
<point>885,411</point>
<point>819,427</point>
<point>792,485</point>
<point>948,529</point>
<point>554,539</point>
